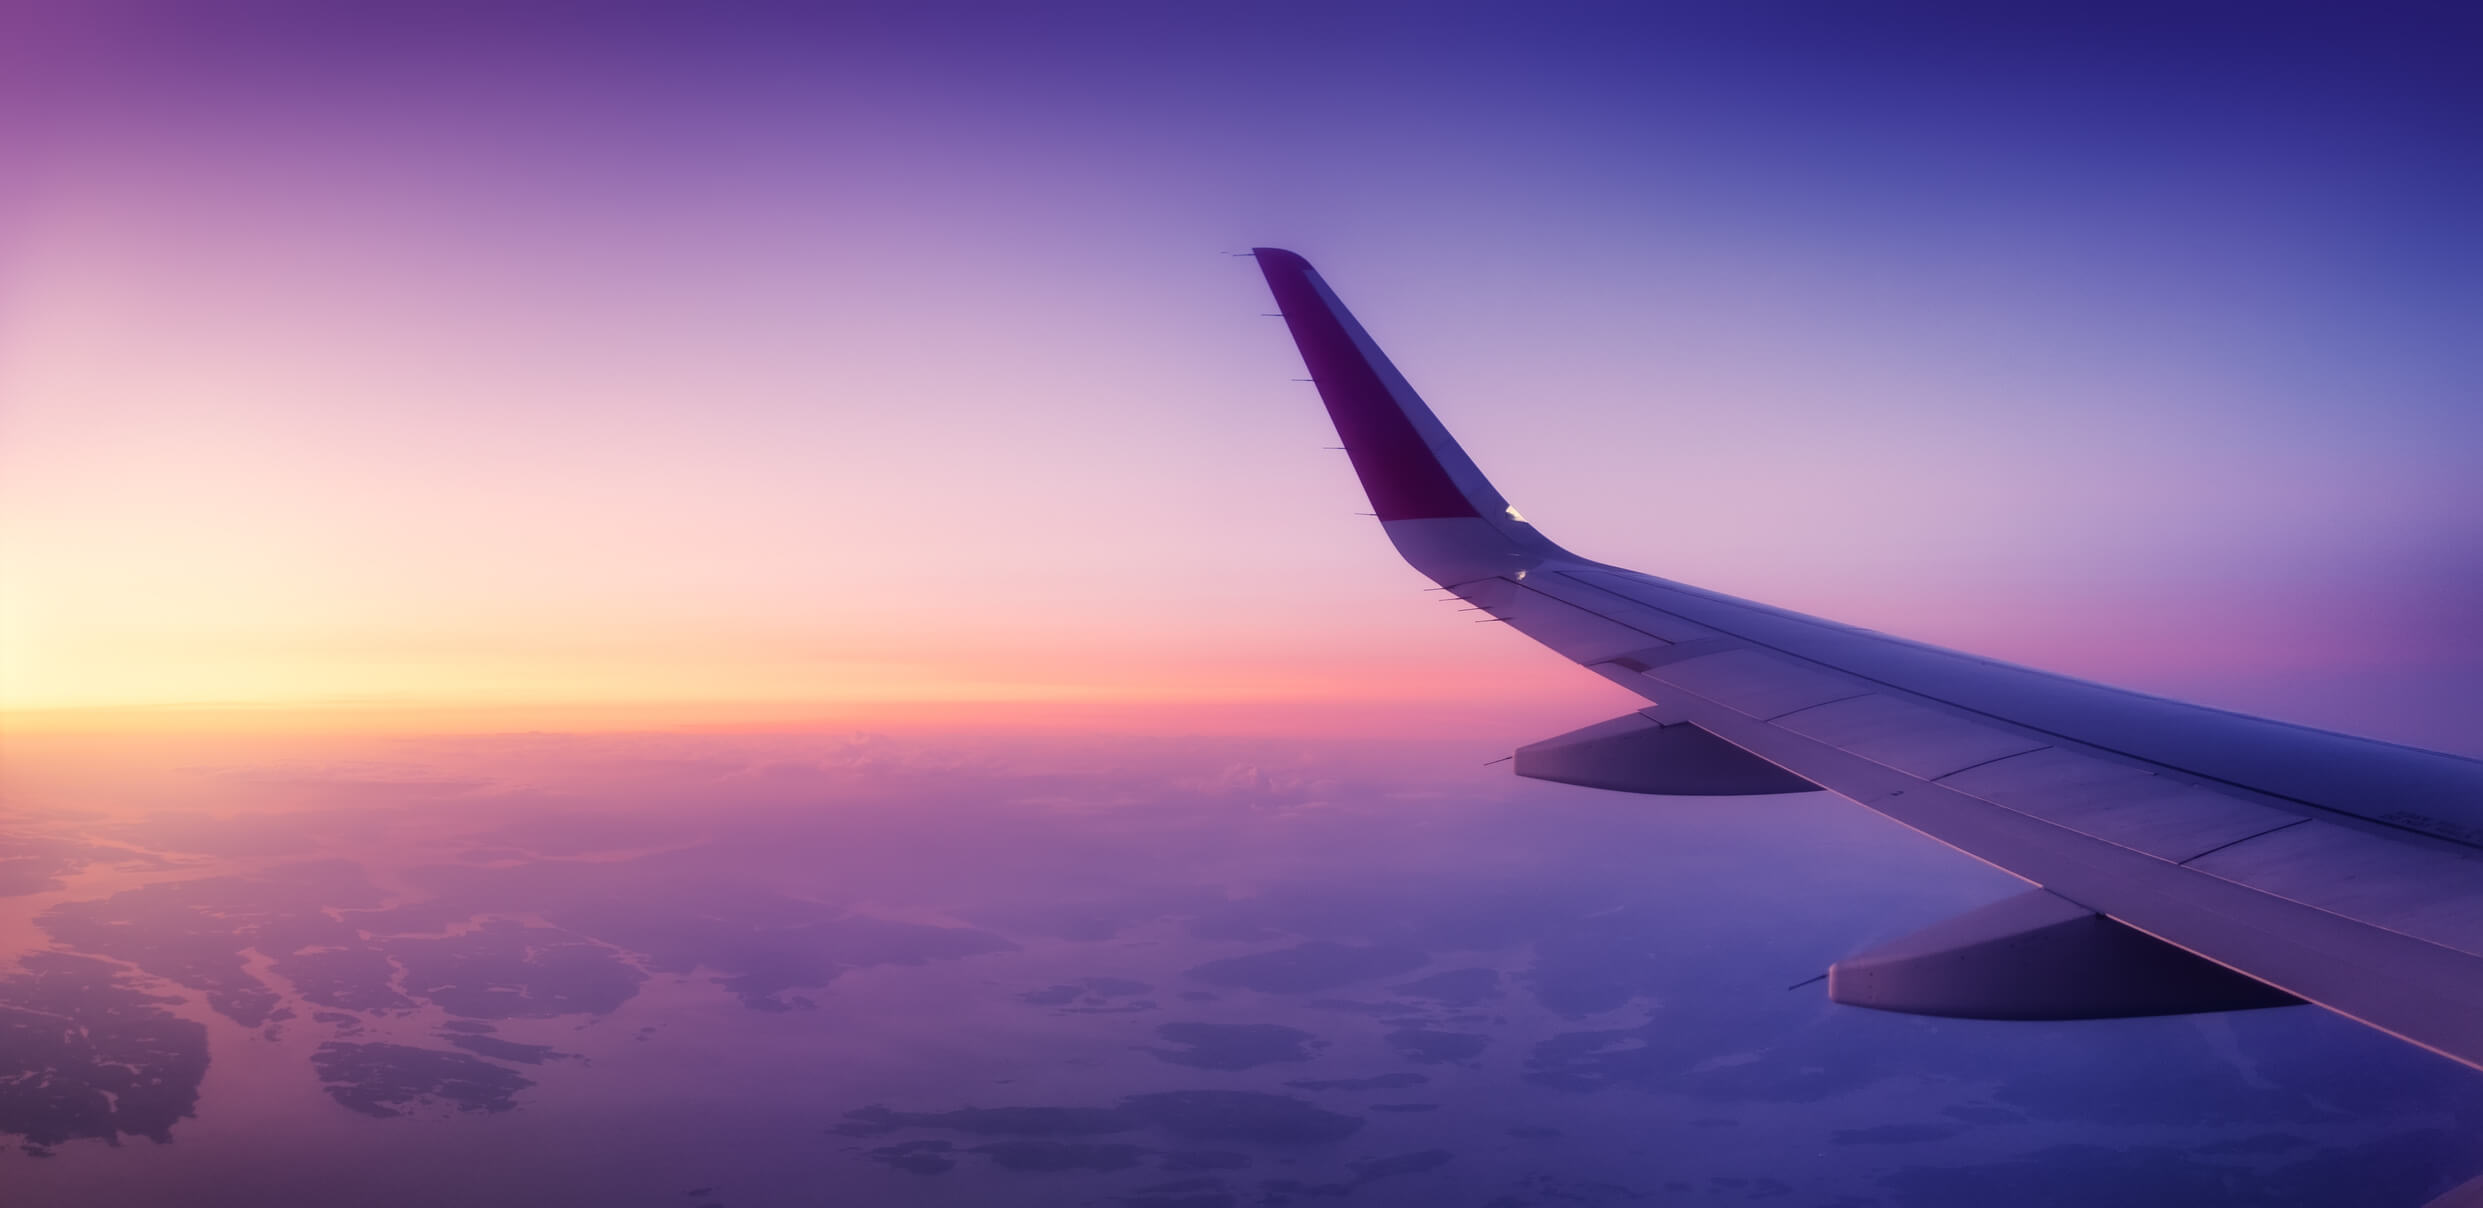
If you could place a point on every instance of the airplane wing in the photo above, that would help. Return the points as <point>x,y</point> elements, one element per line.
<point>2183,858</point>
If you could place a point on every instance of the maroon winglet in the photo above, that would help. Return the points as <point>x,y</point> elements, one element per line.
<point>1399,470</point>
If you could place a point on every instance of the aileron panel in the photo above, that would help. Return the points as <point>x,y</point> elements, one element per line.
<point>2118,803</point>
<point>1911,738</point>
<point>1755,683</point>
<point>2428,893</point>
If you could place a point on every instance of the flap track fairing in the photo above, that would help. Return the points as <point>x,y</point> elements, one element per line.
<point>2041,956</point>
<point>1637,754</point>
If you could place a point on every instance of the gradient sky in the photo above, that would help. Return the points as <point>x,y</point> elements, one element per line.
<point>723,364</point>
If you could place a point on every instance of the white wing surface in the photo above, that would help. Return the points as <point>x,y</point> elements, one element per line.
<point>2183,858</point>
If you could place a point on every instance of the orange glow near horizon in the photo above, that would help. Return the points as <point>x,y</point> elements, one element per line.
<point>1404,698</point>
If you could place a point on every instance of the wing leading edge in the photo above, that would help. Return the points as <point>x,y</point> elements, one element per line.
<point>2201,843</point>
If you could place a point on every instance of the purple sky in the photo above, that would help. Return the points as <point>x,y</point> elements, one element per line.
<point>727,361</point>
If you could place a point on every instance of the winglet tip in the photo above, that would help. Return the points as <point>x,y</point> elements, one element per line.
<point>1280,258</point>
